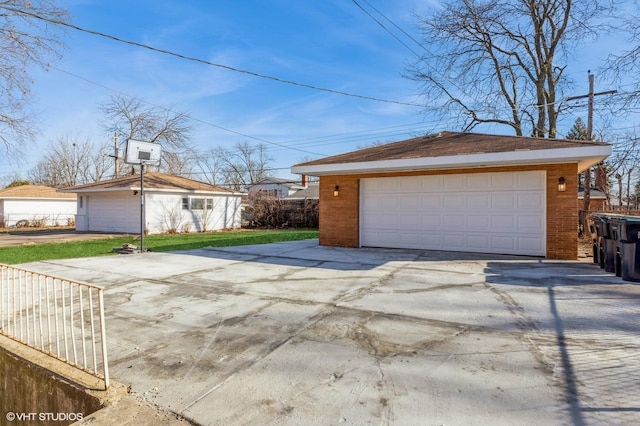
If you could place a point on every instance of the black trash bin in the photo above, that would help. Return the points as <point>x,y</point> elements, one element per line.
<point>595,227</point>
<point>629,236</point>
<point>608,243</point>
<point>614,223</point>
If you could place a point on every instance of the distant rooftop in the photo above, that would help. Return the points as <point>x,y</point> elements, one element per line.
<point>33,191</point>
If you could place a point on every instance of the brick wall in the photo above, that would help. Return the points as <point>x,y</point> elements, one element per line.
<point>339,216</point>
<point>339,221</point>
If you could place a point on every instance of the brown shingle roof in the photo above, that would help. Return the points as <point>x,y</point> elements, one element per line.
<point>33,191</point>
<point>449,144</point>
<point>152,180</point>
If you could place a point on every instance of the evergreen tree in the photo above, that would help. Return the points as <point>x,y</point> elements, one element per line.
<point>578,131</point>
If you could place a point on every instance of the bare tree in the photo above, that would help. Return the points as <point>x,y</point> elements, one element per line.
<point>15,179</point>
<point>130,118</point>
<point>70,161</point>
<point>623,164</point>
<point>626,63</point>
<point>211,166</point>
<point>240,167</point>
<point>25,41</point>
<point>502,61</point>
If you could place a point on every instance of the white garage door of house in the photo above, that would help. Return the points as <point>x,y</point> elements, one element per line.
<point>476,212</point>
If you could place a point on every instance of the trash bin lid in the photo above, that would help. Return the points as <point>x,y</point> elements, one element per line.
<point>629,219</point>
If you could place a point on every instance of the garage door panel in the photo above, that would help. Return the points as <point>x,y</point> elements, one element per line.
<point>387,220</point>
<point>409,239</point>
<point>478,201</point>
<point>453,222</point>
<point>530,244</point>
<point>533,202</point>
<point>529,223</point>
<point>453,241</point>
<point>478,182</point>
<point>431,222</point>
<point>479,222</point>
<point>385,185</point>
<point>454,182</point>
<point>430,239</point>
<point>454,202</point>
<point>485,212</point>
<point>431,183</point>
<point>503,223</point>
<point>503,242</point>
<point>431,202</point>
<point>387,203</point>
<point>502,181</point>
<point>408,202</point>
<point>409,221</point>
<point>504,201</point>
<point>478,242</point>
<point>528,180</point>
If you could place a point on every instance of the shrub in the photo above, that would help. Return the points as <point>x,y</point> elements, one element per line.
<point>39,222</point>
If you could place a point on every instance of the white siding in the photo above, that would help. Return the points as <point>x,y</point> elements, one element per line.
<point>277,189</point>
<point>55,211</point>
<point>120,212</point>
<point>165,212</point>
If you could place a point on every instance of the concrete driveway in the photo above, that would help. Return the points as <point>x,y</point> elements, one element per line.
<point>294,333</point>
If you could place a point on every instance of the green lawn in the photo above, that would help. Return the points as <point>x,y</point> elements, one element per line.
<point>103,247</point>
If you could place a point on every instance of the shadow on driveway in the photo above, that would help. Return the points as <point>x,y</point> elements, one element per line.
<point>591,331</point>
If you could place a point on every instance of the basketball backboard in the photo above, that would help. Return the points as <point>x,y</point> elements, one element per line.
<point>138,152</point>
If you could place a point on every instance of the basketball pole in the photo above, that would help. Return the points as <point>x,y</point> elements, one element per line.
<point>142,213</point>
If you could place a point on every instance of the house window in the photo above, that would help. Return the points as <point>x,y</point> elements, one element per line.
<point>80,201</point>
<point>209,203</point>
<point>185,203</point>
<point>197,204</point>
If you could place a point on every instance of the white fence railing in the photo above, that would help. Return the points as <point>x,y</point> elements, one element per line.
<point>59,317</point>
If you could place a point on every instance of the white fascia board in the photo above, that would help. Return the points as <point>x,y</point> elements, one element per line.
<point>150,190</point>
<point>584,156</point>
<point>86,190</point>
<point>37,199</point>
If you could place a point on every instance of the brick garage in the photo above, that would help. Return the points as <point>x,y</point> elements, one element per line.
<point>456,157</point>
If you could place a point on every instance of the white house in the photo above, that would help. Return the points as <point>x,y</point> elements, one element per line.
<point>36,205</point>
<point>172,204</point>
<point>276,187</point>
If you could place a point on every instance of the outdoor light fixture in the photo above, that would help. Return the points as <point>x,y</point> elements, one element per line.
<point>562,186</point>
<point>336,191</point>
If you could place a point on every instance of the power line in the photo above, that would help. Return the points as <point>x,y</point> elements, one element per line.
<point>194,119</point>
<point>385,28</point>
<point>202,61</point>
<point>312,142</point>
<point>398,27</point>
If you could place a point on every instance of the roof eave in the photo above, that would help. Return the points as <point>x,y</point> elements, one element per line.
<point>39,198</point>
<point>137,188</point>
<point>585,157</point>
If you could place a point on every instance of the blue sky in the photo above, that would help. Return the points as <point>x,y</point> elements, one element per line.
<point>328,43</point>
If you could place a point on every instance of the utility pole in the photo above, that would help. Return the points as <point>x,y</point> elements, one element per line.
<point>115,154</point>
<point>587,173</point>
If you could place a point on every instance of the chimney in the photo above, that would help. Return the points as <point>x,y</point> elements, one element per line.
<point>304,179</point>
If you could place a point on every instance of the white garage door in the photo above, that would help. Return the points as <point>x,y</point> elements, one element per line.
<point>477,212</point>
